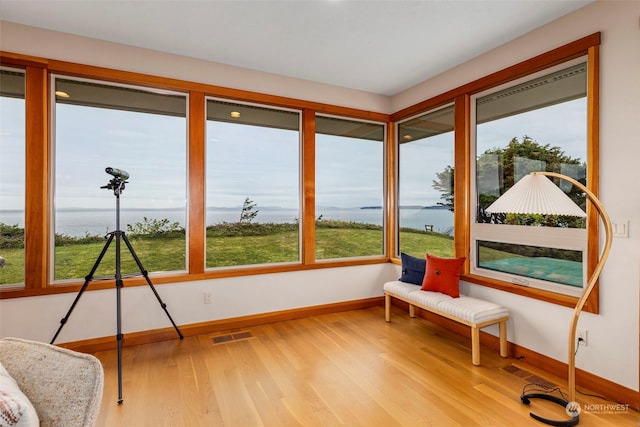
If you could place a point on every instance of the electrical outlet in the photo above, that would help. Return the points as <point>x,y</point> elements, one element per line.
<point>208,297</point>
<point>581,336</point>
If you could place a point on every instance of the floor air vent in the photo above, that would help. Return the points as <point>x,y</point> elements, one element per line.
<point>533,379</point>
<point>517,371</point>
<point>236,336</point>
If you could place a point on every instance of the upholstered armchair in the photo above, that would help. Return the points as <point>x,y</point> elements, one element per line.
<point>64,386</point>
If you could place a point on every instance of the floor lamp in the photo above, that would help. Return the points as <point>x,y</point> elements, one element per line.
<point>536,194</point>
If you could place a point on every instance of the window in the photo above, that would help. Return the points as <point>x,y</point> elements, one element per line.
<point>425,183</point>
<point>349,188</point>
<point>141,131</point>
<point>250,178</point>
<point>536,124</point>
<point>252,184</point>
<point>12,176</point>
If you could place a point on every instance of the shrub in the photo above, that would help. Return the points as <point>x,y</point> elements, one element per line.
<point>64,240</point>
<point>236,229</point>
<point>332,223</point>
<point>11,236</point>
<point>155,228</point>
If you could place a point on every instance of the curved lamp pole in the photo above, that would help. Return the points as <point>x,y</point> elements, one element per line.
<point>533,195</point>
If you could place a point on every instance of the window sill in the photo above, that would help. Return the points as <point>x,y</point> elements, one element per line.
<point>167,278</point>
<point>564,300</point>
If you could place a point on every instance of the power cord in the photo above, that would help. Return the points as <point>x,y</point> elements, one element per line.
<point>578,346</point>
<point>542,388</point>
<point>528,388</point>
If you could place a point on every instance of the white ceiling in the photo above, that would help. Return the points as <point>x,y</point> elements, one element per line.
<point>381,47</point>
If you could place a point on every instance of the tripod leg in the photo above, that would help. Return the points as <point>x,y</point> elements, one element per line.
<point>145,273</point>
<point>87,279</point>
<point>119,335</point>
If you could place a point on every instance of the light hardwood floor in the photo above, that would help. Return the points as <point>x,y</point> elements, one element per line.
<point>343,369</point>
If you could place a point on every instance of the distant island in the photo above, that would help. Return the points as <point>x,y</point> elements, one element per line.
<point>409,207</point>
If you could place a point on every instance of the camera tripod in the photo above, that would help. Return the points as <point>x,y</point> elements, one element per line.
<point>117,184</point>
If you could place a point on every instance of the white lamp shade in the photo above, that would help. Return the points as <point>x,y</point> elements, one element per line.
<point>536,194</point>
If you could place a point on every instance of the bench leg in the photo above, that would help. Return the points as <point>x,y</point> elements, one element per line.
<point>412,310</point>
<point>387,307</point>
<point>504,350</point>
<point>475,345</point>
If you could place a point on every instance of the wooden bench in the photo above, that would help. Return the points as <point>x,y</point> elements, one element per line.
<point>469,311</point>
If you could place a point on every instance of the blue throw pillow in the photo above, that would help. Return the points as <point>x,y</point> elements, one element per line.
<point>412,269</point>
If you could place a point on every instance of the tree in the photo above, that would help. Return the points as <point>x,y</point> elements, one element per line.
<point>249,211</point>
<point>444,184</point>
<point>501,163</point>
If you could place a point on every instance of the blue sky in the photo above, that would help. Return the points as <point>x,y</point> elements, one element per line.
<point>259,163</point>
<point>11,153</point>
<point>262,166</point>
<point>551,125</point>
<point>151,148</point>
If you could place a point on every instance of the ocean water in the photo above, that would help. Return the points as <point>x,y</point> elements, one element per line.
<point>81,222</point>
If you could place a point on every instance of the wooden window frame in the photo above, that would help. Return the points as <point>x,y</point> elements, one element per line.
<point>38,181</point>
<point>385,167</point>
<point>587,46</point>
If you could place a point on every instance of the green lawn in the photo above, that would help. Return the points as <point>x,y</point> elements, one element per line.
<point>168,254</point>
<point>418,243</point>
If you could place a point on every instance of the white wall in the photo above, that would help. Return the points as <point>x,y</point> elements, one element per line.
<point>613,335</point>
<point>39,317</point>
<point>94,316</point>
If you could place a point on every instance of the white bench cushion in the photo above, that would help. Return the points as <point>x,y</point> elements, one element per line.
<point>402,289</point>
<point>472,309</point>
<point>428,299</point>
<point>465,308</point>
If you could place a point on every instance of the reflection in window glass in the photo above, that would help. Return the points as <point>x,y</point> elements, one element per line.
<point>425,190</point>
<point>98,125</point>
<point>12,176</point>
<point>537,125</point>
<point>252,185</point>
<point>349,188</point>
<point>554,265</point>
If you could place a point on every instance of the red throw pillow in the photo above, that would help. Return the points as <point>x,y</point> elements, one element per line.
<point>443,275</point>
